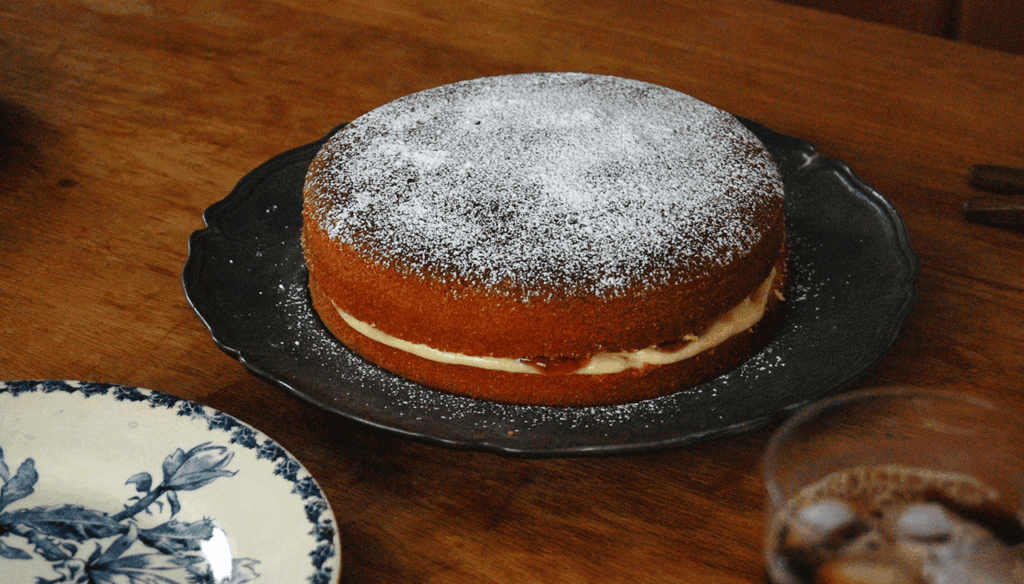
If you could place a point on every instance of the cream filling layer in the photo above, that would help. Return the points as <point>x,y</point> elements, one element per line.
<point>738,319</point>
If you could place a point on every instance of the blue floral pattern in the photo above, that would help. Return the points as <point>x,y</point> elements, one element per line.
<point>90,546</point>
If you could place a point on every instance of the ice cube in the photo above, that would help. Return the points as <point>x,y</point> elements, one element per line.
<point>947,549</point>
<point>923,521</point>
<point>828,515</point>
<point>818,523</point>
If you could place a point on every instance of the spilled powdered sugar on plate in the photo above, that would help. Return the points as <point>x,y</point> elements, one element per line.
<point>852,274</point>
<point>523,183</point>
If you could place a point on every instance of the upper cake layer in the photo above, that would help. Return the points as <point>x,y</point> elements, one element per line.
<point>540,185</point>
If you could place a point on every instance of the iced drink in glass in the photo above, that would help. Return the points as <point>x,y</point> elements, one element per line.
<point>896,486</point>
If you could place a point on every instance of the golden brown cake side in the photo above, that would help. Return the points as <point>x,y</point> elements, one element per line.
<point>467,319</point>
<point>565,389</point>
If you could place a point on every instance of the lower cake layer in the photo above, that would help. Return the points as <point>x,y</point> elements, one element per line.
<point>562,386</point>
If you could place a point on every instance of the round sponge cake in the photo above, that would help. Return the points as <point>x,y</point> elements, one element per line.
<point>550,239</point>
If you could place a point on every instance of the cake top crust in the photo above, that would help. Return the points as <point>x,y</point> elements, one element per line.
<point>527,184</point>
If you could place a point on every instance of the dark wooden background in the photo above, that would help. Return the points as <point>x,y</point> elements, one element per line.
<point>995,24</point>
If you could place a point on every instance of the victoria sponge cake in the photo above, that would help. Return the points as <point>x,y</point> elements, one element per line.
<point>557,239</point>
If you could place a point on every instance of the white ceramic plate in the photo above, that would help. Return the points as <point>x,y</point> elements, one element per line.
<point>110,483</point>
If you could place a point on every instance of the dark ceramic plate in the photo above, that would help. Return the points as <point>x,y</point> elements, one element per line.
<point>853,274</point>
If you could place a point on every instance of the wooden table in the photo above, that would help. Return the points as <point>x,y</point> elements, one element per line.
<point>122,120</point>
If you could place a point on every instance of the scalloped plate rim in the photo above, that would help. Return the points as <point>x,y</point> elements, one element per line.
<point>903,286</point>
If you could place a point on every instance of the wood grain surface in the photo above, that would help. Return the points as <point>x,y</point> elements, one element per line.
<point>122,120</point>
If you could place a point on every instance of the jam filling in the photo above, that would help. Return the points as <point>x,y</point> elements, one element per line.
<point>676,344</point>
<point>570,365</point>
<point>555,365</point>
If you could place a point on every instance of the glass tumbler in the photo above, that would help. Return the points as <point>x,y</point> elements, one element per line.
<point>896,485</point>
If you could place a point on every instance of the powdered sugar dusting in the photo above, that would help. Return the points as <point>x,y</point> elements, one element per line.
<point>524,182</point>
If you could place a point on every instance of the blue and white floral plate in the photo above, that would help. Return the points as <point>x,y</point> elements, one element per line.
<point>110,483</point>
